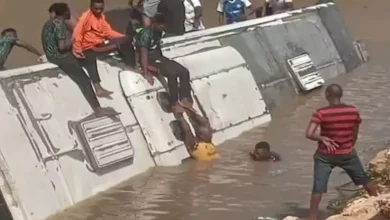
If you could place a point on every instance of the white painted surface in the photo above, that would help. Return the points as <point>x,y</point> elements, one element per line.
<point>57,165</point>
<point>218,85</point>
<point>35,122</point>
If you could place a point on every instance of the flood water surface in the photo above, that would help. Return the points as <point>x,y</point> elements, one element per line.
<point>236,188</point>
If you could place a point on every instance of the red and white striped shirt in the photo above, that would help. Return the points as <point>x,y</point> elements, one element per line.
<point>337,122</point>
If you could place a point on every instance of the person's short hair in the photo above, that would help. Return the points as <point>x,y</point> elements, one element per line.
<point>59,8</point>
<point>51,8</point>
<point>334,90</point>
<point>263,145</point>
<point>96,1</point>
<point>159,18</point>
<point>7,30</point>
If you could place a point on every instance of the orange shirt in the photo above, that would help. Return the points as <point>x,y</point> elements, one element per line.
<point>90,31</point>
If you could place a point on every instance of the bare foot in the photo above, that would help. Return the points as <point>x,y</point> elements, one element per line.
<point>177,108</point>
<point>101,112</point>
<point>101,92</point>
<point>187,104</point>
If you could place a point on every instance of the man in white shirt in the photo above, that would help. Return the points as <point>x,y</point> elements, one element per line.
<point>278,6</point>
<point>193,20</point>
<point>233,11</point>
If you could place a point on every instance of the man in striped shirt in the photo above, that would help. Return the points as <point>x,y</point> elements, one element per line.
<point>339,125</point>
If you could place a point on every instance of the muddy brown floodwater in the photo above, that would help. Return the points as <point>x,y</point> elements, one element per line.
<point>235,188</point>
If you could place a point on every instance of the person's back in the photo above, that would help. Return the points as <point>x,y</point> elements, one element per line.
<point>174,14</point>
<point>339,125</point>
<point>53,31</point>
<point>338,122</point>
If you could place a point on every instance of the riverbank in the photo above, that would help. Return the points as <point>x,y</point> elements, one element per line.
<point>363,207</point>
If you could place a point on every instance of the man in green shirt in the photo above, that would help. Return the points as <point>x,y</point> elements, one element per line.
<point>9,39</point>
<point>57,43</point>
<point>152,60</point>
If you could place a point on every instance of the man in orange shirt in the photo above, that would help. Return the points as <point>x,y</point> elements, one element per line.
<point>92,37</point>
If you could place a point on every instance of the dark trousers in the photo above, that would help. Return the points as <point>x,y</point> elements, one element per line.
<point>125,49</point>
<point>72,68</point>
<point>173,71</point>
<point>324,164</point>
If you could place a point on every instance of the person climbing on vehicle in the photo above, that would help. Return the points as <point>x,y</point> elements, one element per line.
<point>153,62</point>
<point>200,146</point>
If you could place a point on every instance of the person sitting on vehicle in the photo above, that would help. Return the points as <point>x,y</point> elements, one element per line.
<point>200,146</point>
<point>93,37</point>
<point>153,61</point>
<point>262,152</point>
<point>57,44</point>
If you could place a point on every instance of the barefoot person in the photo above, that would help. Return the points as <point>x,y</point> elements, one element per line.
<point>94,37</point>
<point>339,125</point>
<point>9,39</point>
<point>152,59</point>
<point>56,41</point>
<point>200,146</point>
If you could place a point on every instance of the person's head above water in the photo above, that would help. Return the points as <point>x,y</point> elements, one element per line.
<point>10,32</point>
<point>262,152</point>
<point>262,147</point>
<point>97,7</point>
<point>59,10</point>
<point>333,93</point>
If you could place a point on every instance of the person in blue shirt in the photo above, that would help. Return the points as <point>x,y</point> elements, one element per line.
<point>233,11</point>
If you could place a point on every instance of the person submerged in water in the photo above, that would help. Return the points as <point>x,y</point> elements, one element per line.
<point>200,146</point>
<point>262,152</point>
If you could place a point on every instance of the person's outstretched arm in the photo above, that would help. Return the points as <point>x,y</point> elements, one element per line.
<point>27,47</point>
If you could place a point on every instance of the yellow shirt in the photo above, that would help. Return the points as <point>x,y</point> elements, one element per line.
<point>205,151</point>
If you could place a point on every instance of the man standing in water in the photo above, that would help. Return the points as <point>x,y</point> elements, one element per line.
<point>9,39</point>
<point>57,43</point>
<point>339,125</point>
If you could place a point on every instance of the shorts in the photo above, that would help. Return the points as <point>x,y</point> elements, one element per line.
<point>324,164</point>
<point>150,7</point>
